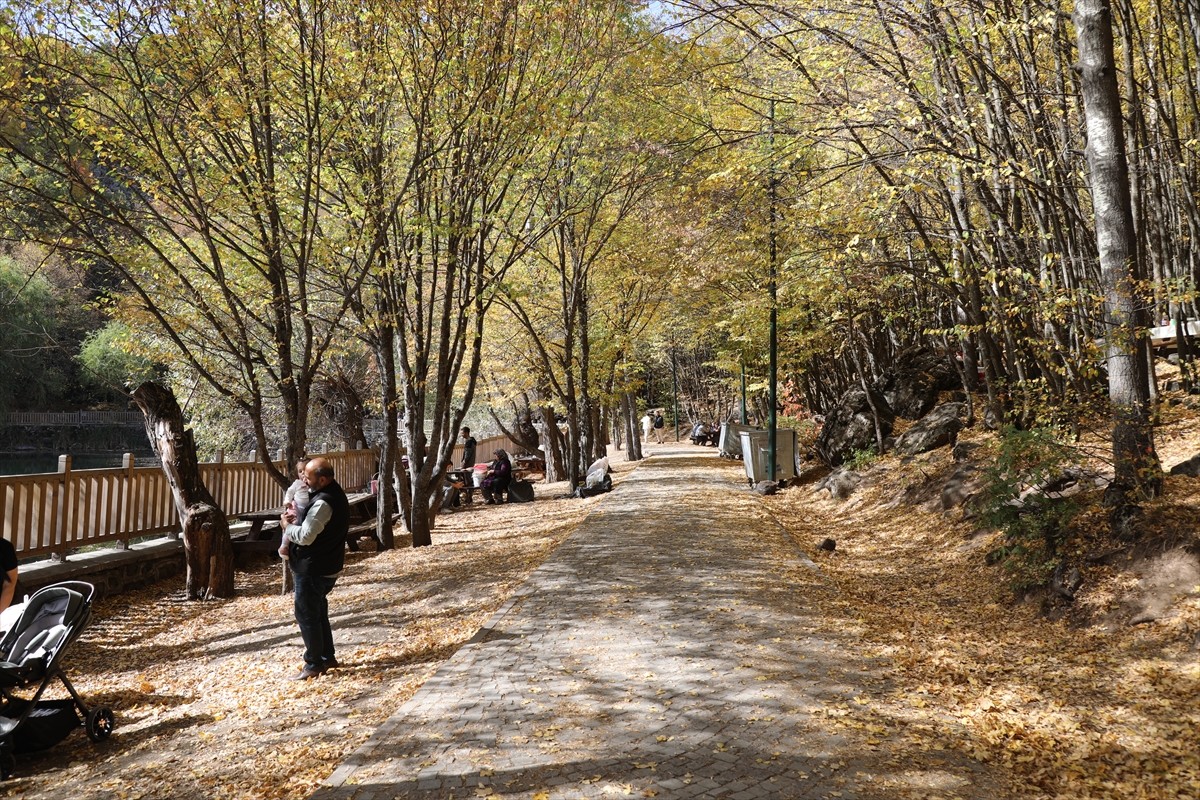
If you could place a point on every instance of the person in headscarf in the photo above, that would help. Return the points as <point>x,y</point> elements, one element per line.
<point>497,478</point>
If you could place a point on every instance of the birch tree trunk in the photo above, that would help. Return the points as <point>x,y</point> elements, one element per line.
<point>1138,472</point>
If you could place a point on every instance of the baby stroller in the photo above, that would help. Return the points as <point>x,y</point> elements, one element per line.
<point>30,655</point>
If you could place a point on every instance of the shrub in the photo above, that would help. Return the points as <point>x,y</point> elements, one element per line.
<point>860,459</point>
<point>1013,500</point>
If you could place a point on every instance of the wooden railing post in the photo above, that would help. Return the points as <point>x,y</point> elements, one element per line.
<point>121,513</point>
<point>61,507</point>
<point>218,481</point>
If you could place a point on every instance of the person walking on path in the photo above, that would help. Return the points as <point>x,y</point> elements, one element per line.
<point>658,426</point>
<point>468,462</point>
<point>315,546</point>
<point>647,425</point>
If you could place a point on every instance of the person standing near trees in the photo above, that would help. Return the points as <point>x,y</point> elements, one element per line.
<point>647,425</point>
<point>315,547</point>
<point>468,462</point>
<point>658,426</point>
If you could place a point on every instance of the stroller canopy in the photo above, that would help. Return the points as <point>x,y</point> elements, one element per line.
<point>51,618</point>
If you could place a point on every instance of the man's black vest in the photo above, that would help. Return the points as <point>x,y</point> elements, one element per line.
<point>327,552</point>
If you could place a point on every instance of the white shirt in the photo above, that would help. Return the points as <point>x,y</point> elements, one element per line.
<point>318,516</point>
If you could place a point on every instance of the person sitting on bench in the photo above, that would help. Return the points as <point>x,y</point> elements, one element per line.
<point>451,497</point>
<point>496,479</point>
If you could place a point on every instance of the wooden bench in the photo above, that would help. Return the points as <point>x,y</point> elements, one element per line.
<point>358,531</point>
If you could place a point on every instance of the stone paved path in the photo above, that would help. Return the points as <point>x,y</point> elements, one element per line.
<point>667,649</point>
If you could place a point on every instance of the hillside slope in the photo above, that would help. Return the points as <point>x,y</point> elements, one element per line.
<point>1094,698</point>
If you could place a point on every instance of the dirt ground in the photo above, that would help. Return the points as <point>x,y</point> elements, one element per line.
<point>1093,701</point>
<point>200,693</point>
<point>1095,698</point>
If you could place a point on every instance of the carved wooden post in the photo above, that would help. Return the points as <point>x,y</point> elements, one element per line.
<point>206,543</point>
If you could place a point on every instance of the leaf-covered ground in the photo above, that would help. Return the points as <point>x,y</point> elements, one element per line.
<point>1092,699</point>
<point>1083,703</point>
<point>200,692</point>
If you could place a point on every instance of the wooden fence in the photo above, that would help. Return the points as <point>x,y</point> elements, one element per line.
<point>53,513</point>
<point>485,447</point>
<point>61,418</point>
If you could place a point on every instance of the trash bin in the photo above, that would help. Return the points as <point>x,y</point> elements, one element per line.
<point>755,442</point>
<point>730,444</point>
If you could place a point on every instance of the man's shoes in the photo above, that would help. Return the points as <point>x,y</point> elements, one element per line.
<point>330,664</point>
<point>306,674</point>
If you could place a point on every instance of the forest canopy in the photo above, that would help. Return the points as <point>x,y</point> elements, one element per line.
<point>554,207</point>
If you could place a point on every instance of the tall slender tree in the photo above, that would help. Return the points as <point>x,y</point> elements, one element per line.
<point>1137,466</point>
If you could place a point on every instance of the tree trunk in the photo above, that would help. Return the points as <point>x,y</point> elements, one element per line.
<point>421,516</point>
<point>552,441</point>
<point>629,422</point>
<point>206,545</point>
<point>1138,471</point>
<point>523,433</point>
<point>389,451</point>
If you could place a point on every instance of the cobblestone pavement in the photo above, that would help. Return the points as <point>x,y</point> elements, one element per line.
<point>667,649</point>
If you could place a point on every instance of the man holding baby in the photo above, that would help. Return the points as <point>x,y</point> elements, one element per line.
<point>314,542</point>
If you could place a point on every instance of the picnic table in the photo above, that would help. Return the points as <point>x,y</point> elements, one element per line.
<point>526,467</point>
<point>465,476</point>
<point>362,508</point>
<point>362,521</point>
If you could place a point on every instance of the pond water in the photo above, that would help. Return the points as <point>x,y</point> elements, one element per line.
<point>33,463</point>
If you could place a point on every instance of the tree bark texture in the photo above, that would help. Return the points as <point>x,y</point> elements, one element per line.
<point>1136,462</point>
<point>206,544</point>
<point>553,442</point>
<point>629,424</point>
<point>389,450</point>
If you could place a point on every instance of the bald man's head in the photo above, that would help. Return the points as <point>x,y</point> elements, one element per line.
<point>318,473</point>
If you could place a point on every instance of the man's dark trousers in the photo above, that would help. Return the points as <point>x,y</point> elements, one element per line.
<point>312,615</point>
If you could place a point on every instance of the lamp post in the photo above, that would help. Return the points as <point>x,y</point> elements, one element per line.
<point>675,388</point>
<point>773,249</point>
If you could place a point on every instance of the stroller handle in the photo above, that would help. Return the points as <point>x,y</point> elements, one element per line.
<point>83,587</point>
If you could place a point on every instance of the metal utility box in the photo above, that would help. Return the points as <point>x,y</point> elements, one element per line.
<point>755,451</point>
<point>730,443</point>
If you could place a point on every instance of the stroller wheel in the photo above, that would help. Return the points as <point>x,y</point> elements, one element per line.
<point>100,723</point>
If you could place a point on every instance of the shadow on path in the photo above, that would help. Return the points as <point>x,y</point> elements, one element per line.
<point>667,649</point>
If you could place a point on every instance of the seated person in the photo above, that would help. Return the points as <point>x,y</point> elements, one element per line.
<point>497,478</point>
<point>451,494</point>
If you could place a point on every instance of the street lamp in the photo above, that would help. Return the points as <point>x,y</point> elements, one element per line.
<point>773,248</point>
